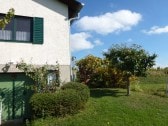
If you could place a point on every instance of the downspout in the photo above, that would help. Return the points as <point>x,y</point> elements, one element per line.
<point>75,18</point>
<point>71,19</point>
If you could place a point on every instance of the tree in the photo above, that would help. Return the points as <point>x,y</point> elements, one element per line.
<point>132,60</point>
<point>7,18</point>
<point>87,68</point>
<point>95,72</point>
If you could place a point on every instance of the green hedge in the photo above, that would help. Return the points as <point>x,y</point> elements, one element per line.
<point>69,100</point>
<point>82,90</point>
<point>43,104</point>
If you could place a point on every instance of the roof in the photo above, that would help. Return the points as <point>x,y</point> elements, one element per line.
<point>74,7</point>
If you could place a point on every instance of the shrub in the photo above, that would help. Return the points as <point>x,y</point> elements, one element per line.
<point>42,104</point>
<point>82,90</point>
<point>61,103</point>
<point>68,102</point>
<point>87,67</point>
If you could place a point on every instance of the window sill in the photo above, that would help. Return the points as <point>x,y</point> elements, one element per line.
<point>16,41</point>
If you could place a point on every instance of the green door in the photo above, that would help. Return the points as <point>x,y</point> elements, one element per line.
<point>15,90</point>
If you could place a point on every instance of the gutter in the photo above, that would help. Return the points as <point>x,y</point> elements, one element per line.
<point>74,8</point>
<point>77,16</point>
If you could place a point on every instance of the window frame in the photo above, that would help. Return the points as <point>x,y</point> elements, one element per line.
<point>32,30</point>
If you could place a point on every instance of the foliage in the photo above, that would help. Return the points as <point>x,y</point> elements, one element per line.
<point>82,90</point>
<point>110,107</point>
<point>40,74</point>
<point>136,86</point>
<point>59,104</point>
<point>42,104</point>
<point>110,77</point>
<point>69,102</point>
<point>96,73</point>
<point>7,18</point>
<point>87,67</point>
<point>133,60</point>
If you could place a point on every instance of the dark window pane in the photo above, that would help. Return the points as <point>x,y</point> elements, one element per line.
<point>23,29</point>
<point>6,34</point>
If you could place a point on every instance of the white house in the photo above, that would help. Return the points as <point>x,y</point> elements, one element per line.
<point>38,34</point>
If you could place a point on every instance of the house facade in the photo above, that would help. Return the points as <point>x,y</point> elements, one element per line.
<point>38,34</point>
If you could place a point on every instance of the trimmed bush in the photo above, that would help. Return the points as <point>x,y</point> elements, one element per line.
<point>61,103</point>
<point>68,102</point>
<point>43,104</point>
<point>82,90</point>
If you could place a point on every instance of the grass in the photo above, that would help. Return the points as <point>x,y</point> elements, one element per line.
<point>146,106</point>
<point>110,107</point>
<point>153,85</point>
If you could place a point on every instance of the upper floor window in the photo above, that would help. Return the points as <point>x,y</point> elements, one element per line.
<point>6,34</point>
<point>23,29</point>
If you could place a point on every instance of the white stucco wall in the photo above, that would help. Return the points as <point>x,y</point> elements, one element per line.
<point>56,34</point>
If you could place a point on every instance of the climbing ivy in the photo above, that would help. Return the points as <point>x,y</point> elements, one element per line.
<point>7,18</point>
<point>39,74</point>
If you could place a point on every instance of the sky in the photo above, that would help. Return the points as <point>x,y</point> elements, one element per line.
<point>103,23</point>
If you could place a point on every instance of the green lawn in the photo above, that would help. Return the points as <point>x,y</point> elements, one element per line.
<point>153,85</point>
<point>110,107</point>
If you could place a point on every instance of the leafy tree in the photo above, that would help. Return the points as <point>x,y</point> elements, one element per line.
<point>7,18</point>
<point>87,68</point>
<point>95,72</point>
<point>132,60</point>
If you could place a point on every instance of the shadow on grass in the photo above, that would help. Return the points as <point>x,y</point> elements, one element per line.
<point>101,92</point>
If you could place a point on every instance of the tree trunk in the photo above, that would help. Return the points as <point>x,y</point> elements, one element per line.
<point>128,87</point>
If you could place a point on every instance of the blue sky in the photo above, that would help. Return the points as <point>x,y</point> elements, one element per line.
<point>103,23</point>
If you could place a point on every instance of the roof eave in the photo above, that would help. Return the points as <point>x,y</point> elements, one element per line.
<point>74,7</point>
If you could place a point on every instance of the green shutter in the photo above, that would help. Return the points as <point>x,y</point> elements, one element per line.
<point>37,30</point>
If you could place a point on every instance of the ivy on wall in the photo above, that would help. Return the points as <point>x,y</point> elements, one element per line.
<point>7,18</point>
<point>39,74</point>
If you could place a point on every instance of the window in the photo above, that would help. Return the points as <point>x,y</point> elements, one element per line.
<point>6,34</point>
<point>51,78</point>
<point>23,29</point>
